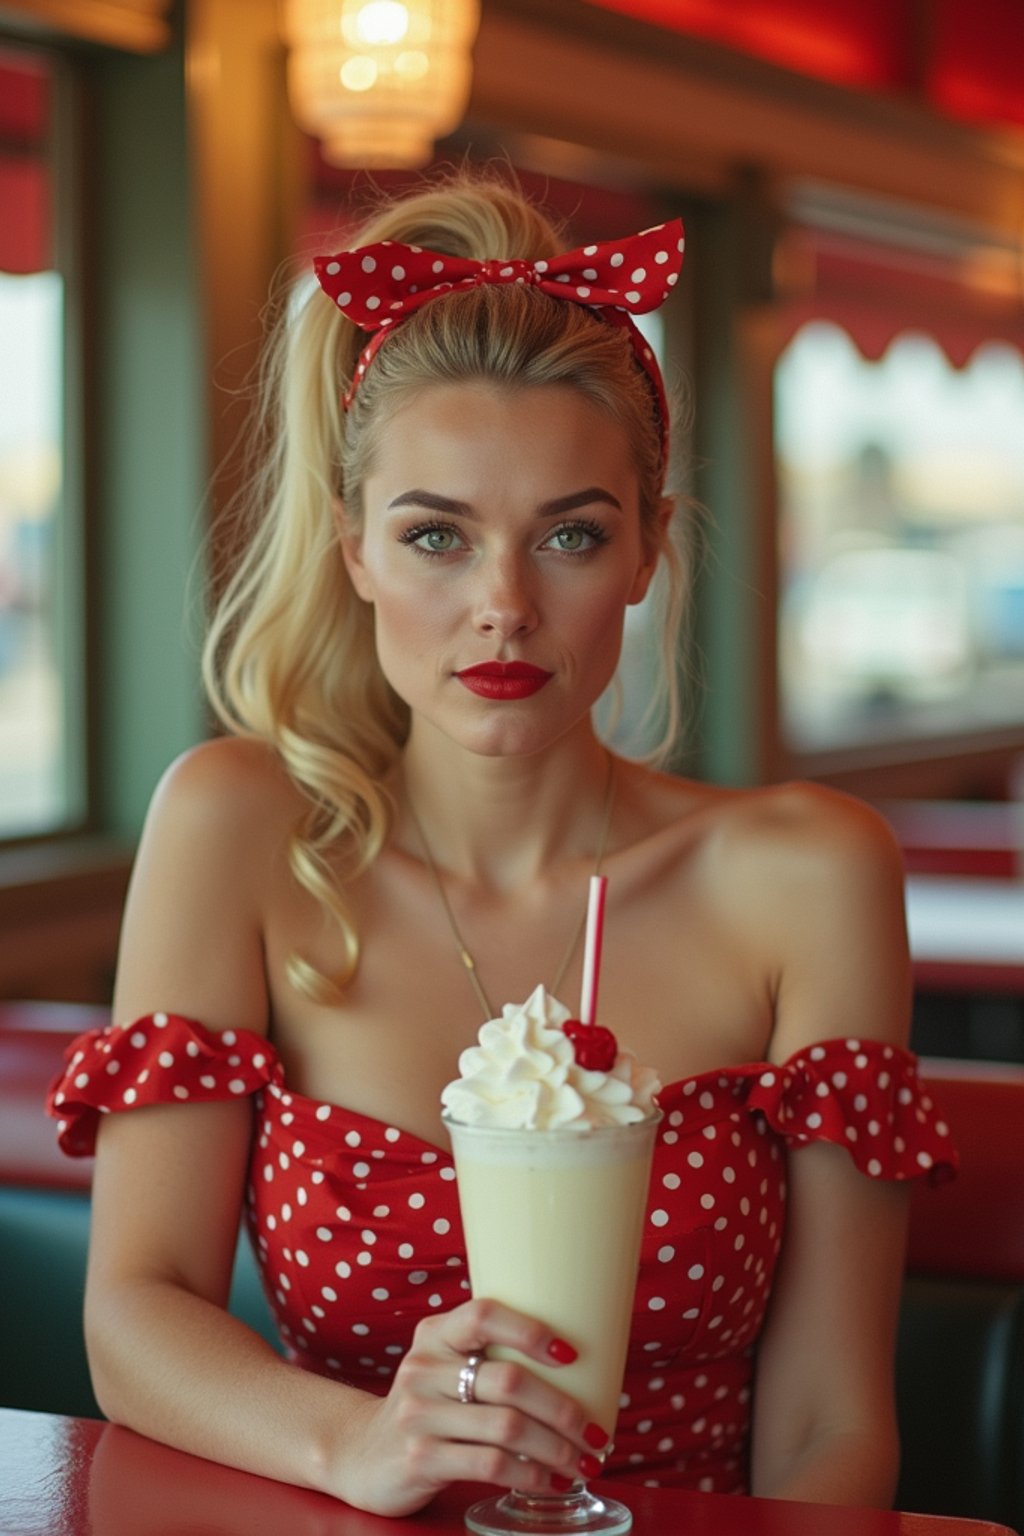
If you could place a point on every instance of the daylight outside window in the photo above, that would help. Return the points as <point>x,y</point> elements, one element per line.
<point>39,788</point>
<point>901,539</point>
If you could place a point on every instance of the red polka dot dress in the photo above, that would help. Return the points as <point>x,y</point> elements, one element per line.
<point>355,1222</point>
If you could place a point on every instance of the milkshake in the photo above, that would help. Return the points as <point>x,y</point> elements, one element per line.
<point>552,1130</point>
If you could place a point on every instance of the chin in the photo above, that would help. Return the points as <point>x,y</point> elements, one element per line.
<point>510,729</point>
<point>503,739</point>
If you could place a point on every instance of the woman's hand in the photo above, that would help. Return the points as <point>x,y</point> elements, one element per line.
<point>395,1453</point>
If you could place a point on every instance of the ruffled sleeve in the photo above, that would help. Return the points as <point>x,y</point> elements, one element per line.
<point>160,1059</point>
<point>864,1095</point>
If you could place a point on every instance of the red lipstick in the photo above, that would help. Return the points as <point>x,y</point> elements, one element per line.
<point>504,679</point>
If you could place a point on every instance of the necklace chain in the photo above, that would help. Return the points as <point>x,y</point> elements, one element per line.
<point>460,944</point>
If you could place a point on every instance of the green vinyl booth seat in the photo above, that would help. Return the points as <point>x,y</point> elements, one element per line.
<point>960,1359</point>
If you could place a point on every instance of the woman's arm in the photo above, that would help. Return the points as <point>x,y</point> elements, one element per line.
<point>167,1190</point>
<point>824,1418</point>
<point>170,1362</point>
<point>167,1359</point>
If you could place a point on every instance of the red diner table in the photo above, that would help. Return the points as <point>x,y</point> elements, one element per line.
<point>82,1477</point>
<point>966,933</point>
<point>967,946</point>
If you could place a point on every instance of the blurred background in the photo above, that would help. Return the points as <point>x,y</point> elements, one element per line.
<point>847,342</point>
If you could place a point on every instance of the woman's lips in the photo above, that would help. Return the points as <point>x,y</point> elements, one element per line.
<point>504,679</point>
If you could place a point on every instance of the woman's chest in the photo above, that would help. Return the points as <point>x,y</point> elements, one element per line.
<point>391,1062</point>
<point>358,1220</point>
<point>678,984</point>
<point>714,1223</point>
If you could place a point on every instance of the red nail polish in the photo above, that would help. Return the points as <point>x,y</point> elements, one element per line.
<point>594,1435</point>
<point>564,1353</point>
<point>559,1483</point>
<point>589,1465</point>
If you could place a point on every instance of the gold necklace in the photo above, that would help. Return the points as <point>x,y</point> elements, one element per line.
<point>574,938</point>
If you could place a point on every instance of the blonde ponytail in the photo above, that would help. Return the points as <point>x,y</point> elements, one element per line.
<point>290,656</point>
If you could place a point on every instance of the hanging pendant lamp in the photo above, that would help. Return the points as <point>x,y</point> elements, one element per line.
<point>377,81</point>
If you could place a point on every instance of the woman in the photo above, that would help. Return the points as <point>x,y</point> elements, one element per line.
<point>465,494</point>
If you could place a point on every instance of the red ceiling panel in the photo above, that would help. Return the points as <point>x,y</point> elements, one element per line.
<point>865,43</point>
<point>977,59</point>
<point>964,58</point>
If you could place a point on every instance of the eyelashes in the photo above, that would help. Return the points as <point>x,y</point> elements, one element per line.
<point>437,531</point>
<point>582,527</point>
<point>436,538</point>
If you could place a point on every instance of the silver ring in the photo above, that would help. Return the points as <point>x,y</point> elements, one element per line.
<point>466,1389</point>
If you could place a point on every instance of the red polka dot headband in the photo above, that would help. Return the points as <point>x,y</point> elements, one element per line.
<point>377,286</point>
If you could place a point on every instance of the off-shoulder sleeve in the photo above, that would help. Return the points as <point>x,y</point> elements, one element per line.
<point>160,1059</point>
<point>864,1095</point>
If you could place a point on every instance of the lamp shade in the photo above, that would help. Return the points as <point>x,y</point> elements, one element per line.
<point>377,81</point>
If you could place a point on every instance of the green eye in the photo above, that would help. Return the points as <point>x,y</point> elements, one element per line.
<point>428,539</point>
<point>577,538</point>
<point>438,540</point>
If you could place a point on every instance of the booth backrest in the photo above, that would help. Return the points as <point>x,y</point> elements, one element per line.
<point>974,1225</point>
<point>960,1358</point>
<point>33,1039</point>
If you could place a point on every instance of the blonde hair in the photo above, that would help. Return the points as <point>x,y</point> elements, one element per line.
<point>290,657</point>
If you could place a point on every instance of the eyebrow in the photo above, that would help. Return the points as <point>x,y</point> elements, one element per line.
<point>556,508</point>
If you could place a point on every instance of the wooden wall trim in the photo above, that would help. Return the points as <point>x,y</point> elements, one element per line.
<point>137,26</point>
<point>245,160</point>
<point>692,113</point>
<point>60,917</point>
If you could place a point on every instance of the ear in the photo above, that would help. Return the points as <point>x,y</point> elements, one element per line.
<point>351,552</point>
<point>653,548</point>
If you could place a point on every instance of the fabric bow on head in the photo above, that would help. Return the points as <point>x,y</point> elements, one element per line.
<point>377,286</point>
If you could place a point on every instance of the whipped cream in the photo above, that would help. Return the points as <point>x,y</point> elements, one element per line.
<point>524,1075</point>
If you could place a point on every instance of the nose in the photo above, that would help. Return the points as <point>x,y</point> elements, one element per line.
<point>505,605</point>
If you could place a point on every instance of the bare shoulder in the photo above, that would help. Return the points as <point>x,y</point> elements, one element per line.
<point>803,832</point>
<point>816,880</point>
<point>212,862</point>
<point>225,801</point>
<point>779,826</point>
<point>242,782</point>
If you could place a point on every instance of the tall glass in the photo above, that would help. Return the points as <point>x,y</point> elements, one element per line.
<point>553,1222</point>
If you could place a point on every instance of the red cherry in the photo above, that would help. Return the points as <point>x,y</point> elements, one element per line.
<point>596,1048</point>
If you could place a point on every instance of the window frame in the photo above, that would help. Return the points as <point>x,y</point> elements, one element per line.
<point>67,159</point>
<point>963,763</point>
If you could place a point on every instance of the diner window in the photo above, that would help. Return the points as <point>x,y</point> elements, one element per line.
<point>900,484</point>
<point>41,778</point>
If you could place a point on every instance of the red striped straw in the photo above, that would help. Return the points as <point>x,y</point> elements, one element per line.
<point>592,948</point>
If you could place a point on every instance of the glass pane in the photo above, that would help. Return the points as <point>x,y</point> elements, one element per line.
<point>901,539</point>
<point>33,738</point>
